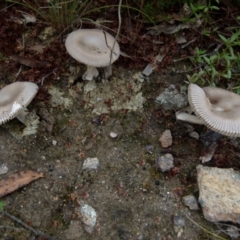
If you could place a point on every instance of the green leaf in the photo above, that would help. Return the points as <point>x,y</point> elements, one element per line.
<point>1,206</point>
<point>223,38</point>
<point>228,75</point>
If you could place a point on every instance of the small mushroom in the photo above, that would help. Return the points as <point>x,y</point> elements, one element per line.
<point>216,108</point>
<point>95,48</point>
<point>14,98</point>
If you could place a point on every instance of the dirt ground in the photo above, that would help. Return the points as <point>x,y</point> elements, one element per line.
<point>132,198</point>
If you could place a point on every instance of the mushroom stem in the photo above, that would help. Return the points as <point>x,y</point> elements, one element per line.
<point>107,71</point>
<point>185,115</point>
<point>21,116</point>
<point>91,73</point>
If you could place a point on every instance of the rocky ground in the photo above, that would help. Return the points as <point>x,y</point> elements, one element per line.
<point>109,173</point>
<point>132,197</point>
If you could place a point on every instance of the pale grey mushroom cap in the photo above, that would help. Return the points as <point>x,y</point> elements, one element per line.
<point>93,47</point>
<point>14,98</point>
<point>218,108</point>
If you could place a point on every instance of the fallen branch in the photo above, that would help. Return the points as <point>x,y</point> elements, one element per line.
<point>36,232</point>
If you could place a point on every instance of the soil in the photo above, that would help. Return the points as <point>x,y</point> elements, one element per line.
<point>133,199</point>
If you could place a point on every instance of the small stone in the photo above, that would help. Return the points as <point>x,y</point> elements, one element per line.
<point>194,134</point>
<point>179,221</point>
<point>149,148</point>
<point>191,202</point>
<point>208,152</point>
<point>89,217</point>
<point>90,164</point>
<point>3,169</point>
<point>113,134</point>
<point>172,98</point>
<point>166,139</point>
<point>165,162</point>
<point>233,232</point>
<point>54,142</point>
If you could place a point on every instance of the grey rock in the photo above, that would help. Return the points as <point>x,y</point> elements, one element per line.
<point>90,164</point>
<point>179,221</point>
<point>172,98</point>
<point>233,232</point>
<point>89,217</point>
<point>191,202</point>
<point>219,193</point>
<point>165,162</point>
<point>3,169</point>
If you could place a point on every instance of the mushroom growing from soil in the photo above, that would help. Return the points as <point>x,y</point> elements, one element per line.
<point>216,108</point>
<point>95,48</point>
<point>14,98</point>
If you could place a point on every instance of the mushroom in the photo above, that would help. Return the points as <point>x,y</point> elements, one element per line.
<point>95,48</point>
<point>216,108</point>
<point>14,98</point>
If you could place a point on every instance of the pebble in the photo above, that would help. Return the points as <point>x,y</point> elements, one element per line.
<point>191,202</point>
<point>179,224</point>
<point>113,134</point>
<point>166,139</point>
<point>90,163</point>
<point>149,148</point>
<point>3,169</point>
<point>179,221</point>
<point>194,134</point>
<point>89,217</point>
<point>54,142</point>
<point>165,162</point>
<point>233,232</point>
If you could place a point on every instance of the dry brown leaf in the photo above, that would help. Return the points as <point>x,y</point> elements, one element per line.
<point>29,62</point>
<point>37,47</point>
<point>18,180</point>
<point>208,153</point>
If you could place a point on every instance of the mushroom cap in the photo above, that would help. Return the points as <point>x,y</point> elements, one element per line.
<point>92,47</point>
<point>218,108</point>
<point>14,98</point>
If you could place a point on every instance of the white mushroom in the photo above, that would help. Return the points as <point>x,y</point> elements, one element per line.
<point>216,108</point>
<point>14,98</point>
<point>95,48</point>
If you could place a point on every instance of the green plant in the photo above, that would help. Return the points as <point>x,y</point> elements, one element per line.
<point>218,64</point>
<point>198,9</point>
<point>62,14</point>
<point>1,206</point>
<point>59,13</point>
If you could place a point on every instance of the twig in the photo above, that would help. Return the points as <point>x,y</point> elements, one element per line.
<point>36,232</point>
<point>119,27</point>
<point>43,78</point>
<point>20,69</point>
<point>204,229</point>
<point>190,70</point>
<point>7,7</point>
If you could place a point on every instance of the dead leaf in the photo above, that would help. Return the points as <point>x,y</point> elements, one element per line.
<point>18,180</point>
<point>166,139</point>
<point>28,18</point>
<point>152,66</point>
<point>37,47</point>
<point>208,153</point>
<point>29,62</point>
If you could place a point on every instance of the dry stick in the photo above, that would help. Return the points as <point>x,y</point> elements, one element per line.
<point>36,232</point>
<point>43,78</point>
<point>119,27</point>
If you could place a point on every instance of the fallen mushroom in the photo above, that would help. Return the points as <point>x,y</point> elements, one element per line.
<point>216,108</point>
<point>95,48</point>
<point>14,98</point>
